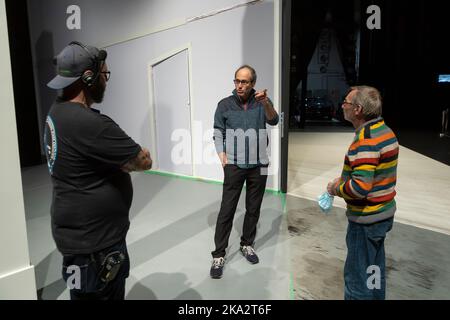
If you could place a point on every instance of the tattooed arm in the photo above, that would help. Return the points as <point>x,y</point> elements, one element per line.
<point>142,162</point>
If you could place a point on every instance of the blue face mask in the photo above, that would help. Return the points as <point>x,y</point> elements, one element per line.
<point>325,201</point>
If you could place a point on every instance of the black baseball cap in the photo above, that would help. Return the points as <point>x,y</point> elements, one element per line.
<point>73,61</point>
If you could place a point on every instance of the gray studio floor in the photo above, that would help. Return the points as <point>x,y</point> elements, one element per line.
<point>302,251</point>
<point>170,240</point>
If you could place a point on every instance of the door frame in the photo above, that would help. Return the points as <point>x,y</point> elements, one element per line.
<point>151,90</point>
<point>285,90</point>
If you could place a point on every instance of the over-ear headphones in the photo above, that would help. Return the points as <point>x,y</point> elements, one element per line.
<point>89,77</point>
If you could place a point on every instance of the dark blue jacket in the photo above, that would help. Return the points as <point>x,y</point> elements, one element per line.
<point>242,133</point>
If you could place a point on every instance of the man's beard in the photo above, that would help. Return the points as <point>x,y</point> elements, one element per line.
<point>97,92</point>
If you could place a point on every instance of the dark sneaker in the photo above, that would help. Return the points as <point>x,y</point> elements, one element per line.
<point>217,268</point>
<point>250,254</point>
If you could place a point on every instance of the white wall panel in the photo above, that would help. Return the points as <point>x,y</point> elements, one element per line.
<point>16,273</point>
<point>220,43</point>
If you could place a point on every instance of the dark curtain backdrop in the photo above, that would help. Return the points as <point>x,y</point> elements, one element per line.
<point>346,24</point>
<point>23,83</point>
<point>404,58</point>
<point>308,19</point>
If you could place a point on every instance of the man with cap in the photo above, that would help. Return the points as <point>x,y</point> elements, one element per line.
<point>89,158</point>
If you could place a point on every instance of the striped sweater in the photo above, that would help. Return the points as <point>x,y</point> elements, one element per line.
<point>370,172</point>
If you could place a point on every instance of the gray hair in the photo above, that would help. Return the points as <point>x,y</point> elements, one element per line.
<point>369,98</point>
<point>252,71</point>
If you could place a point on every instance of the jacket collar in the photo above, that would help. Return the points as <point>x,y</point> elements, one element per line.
<point>370,122</point>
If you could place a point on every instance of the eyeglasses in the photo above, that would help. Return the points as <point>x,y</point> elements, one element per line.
<point>347,102</point>
<point>244,82</point>
<point>350,103</point>
<point>107,74</point>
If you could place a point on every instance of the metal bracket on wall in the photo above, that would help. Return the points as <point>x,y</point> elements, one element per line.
<point>445,132</point>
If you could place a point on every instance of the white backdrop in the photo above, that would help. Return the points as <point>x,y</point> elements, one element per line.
<point>137,32</point>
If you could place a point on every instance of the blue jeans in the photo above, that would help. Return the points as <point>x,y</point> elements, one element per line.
<point>89,285</point>
<point>365,268</point>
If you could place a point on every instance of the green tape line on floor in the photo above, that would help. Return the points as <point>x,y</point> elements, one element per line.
<point>291,288</point>
<point>178,176</point>
<point>216,182</point>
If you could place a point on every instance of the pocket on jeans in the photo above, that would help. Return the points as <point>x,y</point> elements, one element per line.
<point>377,232</point>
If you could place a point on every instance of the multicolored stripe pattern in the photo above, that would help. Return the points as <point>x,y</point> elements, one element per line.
<point>370,174</point>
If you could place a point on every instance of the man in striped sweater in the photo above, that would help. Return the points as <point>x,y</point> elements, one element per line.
<point>367,185</point>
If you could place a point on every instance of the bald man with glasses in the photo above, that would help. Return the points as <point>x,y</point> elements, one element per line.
<point>241,142</point>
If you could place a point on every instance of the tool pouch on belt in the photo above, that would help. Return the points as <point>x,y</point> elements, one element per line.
<point>111,265</point>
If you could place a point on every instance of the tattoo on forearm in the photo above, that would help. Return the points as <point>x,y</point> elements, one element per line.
<point>140,163</point>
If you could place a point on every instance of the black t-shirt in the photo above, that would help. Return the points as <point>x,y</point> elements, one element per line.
<point>91,195</point>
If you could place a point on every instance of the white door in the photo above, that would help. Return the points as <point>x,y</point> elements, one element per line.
<point>173,114</point>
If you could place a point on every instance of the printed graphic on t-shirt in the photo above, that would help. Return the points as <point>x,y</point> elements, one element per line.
<point>50,143</point>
